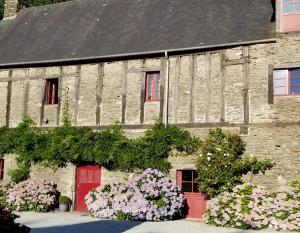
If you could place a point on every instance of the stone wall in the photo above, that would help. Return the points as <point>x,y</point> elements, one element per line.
<point>226,88</point>
<point>10,8</point>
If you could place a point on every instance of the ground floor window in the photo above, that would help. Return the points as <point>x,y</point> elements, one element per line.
<point>186,181</point>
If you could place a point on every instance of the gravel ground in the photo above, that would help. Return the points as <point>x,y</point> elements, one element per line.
<point>77,223</point>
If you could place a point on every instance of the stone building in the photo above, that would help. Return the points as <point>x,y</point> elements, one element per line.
<point>196,64</point>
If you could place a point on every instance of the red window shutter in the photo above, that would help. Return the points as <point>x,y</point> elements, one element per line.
<point>179,179</point>
<point>53,93</point>
<point>152,86</point>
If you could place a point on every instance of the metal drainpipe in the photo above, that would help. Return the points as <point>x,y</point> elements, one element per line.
<point>166,97</point>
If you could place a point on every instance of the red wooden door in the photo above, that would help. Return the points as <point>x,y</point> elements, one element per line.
<point>196,201</point>
<point>87,178</point>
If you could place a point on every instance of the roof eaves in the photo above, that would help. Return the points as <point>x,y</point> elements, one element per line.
<point>118,56</point>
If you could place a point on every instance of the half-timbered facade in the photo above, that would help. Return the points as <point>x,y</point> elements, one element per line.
<point>196,64</point>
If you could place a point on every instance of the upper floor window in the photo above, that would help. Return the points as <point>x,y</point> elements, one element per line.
<point>286,82</point>
<point>51,91</point>
<point>152,86</point>
<point>290,6</point>
<point>290,17</point>
<point>1,169</point>
<point>186,180</point>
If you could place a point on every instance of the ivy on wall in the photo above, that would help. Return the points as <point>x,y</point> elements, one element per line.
<point>80,145</point>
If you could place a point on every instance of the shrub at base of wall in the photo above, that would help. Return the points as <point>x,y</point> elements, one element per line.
<point>252,207</point>
<point>147,196</point>
<point>32,195</point>
<point>8,225</point>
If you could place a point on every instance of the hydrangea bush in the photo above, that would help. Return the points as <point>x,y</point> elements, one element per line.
<point>252,207</point>
<point>147,196</point>
<point>33,195</point>
<point>4,187</point>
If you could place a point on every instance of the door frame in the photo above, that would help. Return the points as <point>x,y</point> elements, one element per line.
<point>189,194</point>
<point>76,179</point>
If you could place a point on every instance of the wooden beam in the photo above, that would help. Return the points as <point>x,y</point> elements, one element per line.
<point>192,88</point>
<point>162,87</point>
<point>270,85</point>
<point>246,83</point>
<point>233,62</point>
<point>38,77</point>
<point>77,93</point>
<point>223,83</point>
<point>143,94</point>
<point>8,100</point>
<point>124,92</point>
<point>25,99</point>
<point>208,85</point>
<point>287,65</point>
<point>60,92</point>
<point>99,91</point>
<point>243,128</point>
<point>176,87</point>
<point>43,90</point>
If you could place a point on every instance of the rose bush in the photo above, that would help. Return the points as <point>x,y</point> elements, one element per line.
<point>147,196</point>
<point>33,195</point>
<point>252,207</point>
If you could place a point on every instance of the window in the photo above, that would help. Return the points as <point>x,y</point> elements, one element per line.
<point>290,18</point>
<point>290,6</point>
<point>51,91</point>
<point>152,86</point>
<point>286,82</point>
<point>186,181</point>
<point>1,169</point>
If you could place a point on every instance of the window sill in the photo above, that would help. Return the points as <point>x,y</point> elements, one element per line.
<point>152,101</point>
<point>286,96</point>
<point>288,14</point>
<point>51,105</point>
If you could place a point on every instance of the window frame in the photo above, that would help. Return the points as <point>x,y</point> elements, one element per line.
<point>51,91</point>
<point>1,169</point>
<point>294,7</point>
<point>155,86</point>
<point>180,180</point>
<point>287,82</point>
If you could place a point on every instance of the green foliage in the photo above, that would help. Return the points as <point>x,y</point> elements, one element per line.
<point>1,9</point>
<point>121,216</point>
<point>296,185</point>
<point>110,147</point>
<point>20,173</point>
<point>8,225</point>
<point>4,187</point>
<point>30,3</point>
<point>64,200</point>
<point>221,164</point>
<point>43,2</point>
<point>153,149</point>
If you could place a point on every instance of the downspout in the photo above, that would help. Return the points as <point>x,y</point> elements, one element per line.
<point>166,95</point>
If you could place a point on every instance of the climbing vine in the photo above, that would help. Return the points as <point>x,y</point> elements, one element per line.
<point>58,147</point>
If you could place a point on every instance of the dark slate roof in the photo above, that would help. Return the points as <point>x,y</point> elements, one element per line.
<point>4,24</point>
<point>83,29</point>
